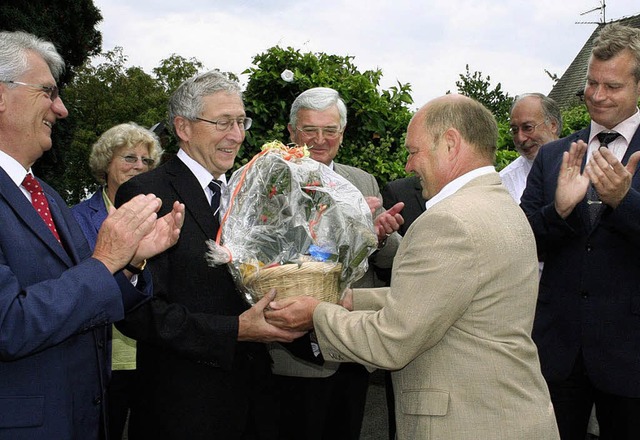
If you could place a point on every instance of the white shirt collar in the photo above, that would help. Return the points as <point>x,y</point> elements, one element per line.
<point>452,187</point>
<point>13,168</point>
<point>626,128</point>
<point>202,174</point>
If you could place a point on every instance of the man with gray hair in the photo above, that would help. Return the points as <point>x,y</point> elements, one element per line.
<point>331,393</point>
<point>57,298</point>
<point>535,120</point>
<point>583,203</point>
<point>204,370</point>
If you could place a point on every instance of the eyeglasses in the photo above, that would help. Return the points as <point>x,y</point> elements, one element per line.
<point>327,132</point>
<point>525,128</point>
<point>225,124</point>
<point>51,91</point>
<point>146,161</point>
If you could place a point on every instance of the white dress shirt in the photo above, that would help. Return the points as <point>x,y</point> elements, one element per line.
<point>514,176</point>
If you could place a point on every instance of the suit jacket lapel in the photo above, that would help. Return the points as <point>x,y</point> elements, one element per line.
<point>634,146</point>
<point>342,171</point>
<point>98,208</point>
<point>24,210</point>
<point>189,191</point>
<point>582,208</point>
<point>63,231</point>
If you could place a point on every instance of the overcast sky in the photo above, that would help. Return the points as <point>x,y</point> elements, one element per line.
<point>426,43</point>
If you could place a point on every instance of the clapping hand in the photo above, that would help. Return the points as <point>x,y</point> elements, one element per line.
<point>610,178</point>
<point>132,233</point>
<point>164,234</point>
<point>572,183</point>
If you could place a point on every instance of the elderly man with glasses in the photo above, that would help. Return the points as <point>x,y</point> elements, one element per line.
<point>535,120</point>
<point>203,368</point>
<point>58,298</point>
<point>327,401</point>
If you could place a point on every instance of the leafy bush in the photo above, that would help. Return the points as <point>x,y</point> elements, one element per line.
<point>376,119</point>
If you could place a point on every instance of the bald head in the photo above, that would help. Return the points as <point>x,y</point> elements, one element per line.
<point>448,137</point>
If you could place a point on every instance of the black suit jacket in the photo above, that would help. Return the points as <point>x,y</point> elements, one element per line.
<point>409,191</point>
<point>589,296</point>
<point>197,380</point>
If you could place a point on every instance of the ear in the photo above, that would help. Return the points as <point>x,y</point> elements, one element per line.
<point>453,141</point>
<point>183,128</point>
<point>292,133</point>
<point>3,97</point>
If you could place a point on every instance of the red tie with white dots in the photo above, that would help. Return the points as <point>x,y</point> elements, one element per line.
<point>40,203</point>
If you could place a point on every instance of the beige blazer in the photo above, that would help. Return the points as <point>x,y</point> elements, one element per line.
<point>455,324</point>
<point>284,363</point>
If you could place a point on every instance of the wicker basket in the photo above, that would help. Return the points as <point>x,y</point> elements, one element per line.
<point>316,279</point>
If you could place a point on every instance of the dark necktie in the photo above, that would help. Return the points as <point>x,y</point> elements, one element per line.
<point>40,203</point>
<point>216,188</point>
<point>594,203</point>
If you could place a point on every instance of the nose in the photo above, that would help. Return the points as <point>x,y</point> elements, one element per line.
<point>408,167</point>
<point>59,108</point>
<point>519,137</point>
<point>236,133</point>
<point>599,93</point>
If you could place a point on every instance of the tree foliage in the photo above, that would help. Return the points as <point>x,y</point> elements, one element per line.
<point>174,70</point>
<point>574,118</point>
<point>376,120</point>
<point>475,86</point>
<point>71,26</point>
<point>110,93</point>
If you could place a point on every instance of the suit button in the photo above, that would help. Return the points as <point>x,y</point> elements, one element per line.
<point>584,294</point>
<point>589,248</point>
<point>97,400</point>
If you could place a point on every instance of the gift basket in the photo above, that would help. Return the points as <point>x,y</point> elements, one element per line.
<point>293,224</point>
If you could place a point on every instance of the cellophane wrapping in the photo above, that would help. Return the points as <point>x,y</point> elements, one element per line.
<point>284,207</point>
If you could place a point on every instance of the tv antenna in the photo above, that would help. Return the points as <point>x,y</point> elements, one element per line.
<point>603,17</point>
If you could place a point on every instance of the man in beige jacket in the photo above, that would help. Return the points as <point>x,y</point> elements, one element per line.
<point>455,324</point>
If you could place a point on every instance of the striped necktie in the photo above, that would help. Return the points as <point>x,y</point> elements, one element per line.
<point>216,188</point>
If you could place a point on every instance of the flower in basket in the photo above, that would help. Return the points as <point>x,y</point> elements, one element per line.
<point>292,223</point>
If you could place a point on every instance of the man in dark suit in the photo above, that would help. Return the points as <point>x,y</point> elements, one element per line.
<point>583,202</point>
<point>204,371</point>
<point>57,298</point>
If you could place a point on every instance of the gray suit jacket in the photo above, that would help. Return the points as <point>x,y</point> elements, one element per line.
<point>284,363</point>
<point>455,325</point>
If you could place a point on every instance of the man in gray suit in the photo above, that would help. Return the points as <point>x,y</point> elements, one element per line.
<point>327,401</point>
<point>455,324</point>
